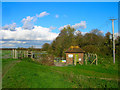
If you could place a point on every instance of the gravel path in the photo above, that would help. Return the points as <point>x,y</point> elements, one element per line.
<point>59,64</point>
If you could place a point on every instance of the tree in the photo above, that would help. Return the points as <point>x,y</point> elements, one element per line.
<point>108,44</point>
<point>79,39</point>
<point>45,46</point>
<point>118,46</point>
<point>31,48</point>
<point>64,40</point>
<point>97,32</point>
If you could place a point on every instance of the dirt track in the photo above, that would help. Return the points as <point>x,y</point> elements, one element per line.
<point>8,67</point>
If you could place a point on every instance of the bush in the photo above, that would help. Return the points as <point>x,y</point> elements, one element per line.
<point>46,59</point>
<point>27,59</point>
<point>91,49</point>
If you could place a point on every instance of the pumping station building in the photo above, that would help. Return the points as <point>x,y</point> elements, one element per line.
<point>74,55</point>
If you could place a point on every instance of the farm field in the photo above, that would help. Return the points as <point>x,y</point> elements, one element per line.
<point>24,74</point>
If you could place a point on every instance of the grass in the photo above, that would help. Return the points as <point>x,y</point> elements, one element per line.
<point>31,75</point>
<point>28,74</point>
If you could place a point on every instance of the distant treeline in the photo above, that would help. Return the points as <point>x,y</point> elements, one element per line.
<point>37,49</point>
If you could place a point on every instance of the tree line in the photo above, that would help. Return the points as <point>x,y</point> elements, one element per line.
<point>92,42</point>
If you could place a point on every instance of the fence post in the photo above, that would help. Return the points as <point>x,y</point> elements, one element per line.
<point>31,54</point>
<point>13,53</point>
<point>86,59</point>
<point>24,54</point>
<point>27,53</point>
<point>96,59</point>
<point>21,54</point>
<point>75,60</point>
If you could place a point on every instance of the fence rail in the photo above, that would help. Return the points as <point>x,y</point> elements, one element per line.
<point>92,58</point>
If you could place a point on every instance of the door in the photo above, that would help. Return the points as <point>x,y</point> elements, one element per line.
<point>75,59</point>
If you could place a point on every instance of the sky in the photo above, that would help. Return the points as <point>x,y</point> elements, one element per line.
<point>34,23</point>
<point>60,0</point>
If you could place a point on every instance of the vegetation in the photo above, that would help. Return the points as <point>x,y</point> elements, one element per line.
<point>92,42</point>
<point>6,53</point>
<point>27,74</point>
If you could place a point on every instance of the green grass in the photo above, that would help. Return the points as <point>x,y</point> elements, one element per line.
<point>28,74</point>
<point>5,62</point>
<point>31,75</point>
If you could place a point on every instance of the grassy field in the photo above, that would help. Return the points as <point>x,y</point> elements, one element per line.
<point>24,74</point>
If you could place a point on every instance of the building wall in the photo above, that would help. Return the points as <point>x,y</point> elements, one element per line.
<point>70,60</point>
<point>81,55</point>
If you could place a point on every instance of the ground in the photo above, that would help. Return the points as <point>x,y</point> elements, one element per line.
<point>24,74</point>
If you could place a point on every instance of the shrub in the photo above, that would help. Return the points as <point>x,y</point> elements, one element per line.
<point>45,59</point>
<point>27,59</point>
<point>91,49</point>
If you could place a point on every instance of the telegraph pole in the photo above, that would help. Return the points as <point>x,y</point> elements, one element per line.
<point>113,40</point>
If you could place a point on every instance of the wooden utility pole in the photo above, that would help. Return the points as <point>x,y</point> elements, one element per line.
<point>113,40</point>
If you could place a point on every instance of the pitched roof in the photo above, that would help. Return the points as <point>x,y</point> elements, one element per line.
<point>75,49</point>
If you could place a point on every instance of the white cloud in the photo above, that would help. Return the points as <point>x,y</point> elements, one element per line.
<point>23,42</point>
<point>116,35</point>
<point>6,27</point>
<point>28,22</point>
<point>9,27</point>
<point>2,41</point>
<point>57,16</point>
<point>37,33</point>
<point>81,25</point>
<point>52,28</point>
<point>16,42</point>
<point>8,45</point>
<point>83,33</point>
<point>42,14</point>
<point>65,26</point>
<point>101,31</point>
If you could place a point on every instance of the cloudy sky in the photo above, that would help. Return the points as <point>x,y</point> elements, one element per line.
<point>26,23</point>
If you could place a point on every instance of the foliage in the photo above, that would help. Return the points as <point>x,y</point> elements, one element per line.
<point>31,48</point>
<point>93,42</point>
<point>91,49</point>
<point>45,47</point>
<point>6,54</point>
<point>45,59</point>
<point>63,41</point>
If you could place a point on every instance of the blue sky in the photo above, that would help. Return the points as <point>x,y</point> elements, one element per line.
<point>58,14</point>
<point>60,0</point>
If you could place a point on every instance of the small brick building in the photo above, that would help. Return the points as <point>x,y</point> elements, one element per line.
<point>74,54</point>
